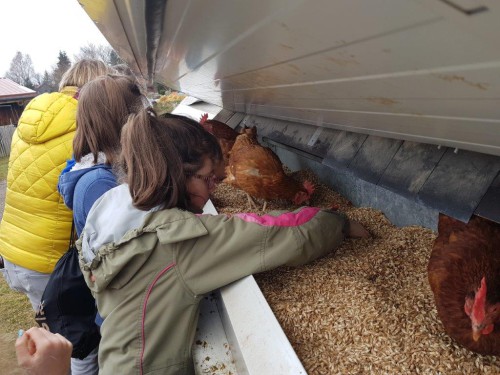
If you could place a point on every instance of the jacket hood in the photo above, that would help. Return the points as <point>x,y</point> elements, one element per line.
<point>113,222</point>
<point>69,179</point>
<point>48,116</point>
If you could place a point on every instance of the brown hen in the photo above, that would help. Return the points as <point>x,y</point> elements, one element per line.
<point>258,171</point>
<point>225,136</point>
<point>248,137</point>
<point>464,275</point>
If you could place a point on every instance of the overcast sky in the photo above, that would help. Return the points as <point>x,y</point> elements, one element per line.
<point>42,28</point>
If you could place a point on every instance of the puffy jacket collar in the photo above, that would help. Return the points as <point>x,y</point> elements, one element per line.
<point>70,91</point>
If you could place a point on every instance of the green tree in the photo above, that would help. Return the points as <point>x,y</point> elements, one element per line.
<point>46,84</point>
<point>29,83</point>
<point>63,64</point>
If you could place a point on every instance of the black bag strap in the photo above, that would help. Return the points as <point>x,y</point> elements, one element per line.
<point>72,236</point>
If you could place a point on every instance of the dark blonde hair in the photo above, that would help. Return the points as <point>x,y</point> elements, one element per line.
<point>84,71</point>
<point>103,108</point>
<point>158,153</point>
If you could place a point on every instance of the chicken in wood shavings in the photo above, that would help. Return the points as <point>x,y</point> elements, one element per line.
<point>225,136</point>
<point>258,171</point>
<point>388,324</point>
<point>464,275</point>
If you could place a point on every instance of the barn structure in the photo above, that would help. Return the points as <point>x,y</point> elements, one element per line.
<point>13,99</point>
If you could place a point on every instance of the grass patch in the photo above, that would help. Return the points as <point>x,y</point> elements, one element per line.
<point>15,310</point>
<point>15,313</point>
<point>4,164</point>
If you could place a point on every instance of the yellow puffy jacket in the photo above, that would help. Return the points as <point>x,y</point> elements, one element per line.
<point>36,224</point>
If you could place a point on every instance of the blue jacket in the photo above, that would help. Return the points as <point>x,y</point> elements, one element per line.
<point>81,188</point>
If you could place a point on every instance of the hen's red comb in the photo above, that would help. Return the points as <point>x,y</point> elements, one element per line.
<point>204,118</point>
<point>478,309</point>
<point>309,187</point>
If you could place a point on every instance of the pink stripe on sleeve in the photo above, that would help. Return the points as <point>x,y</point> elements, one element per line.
<point>289,219</point>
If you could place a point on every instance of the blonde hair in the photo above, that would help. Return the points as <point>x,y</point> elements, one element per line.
<point>84,71</point>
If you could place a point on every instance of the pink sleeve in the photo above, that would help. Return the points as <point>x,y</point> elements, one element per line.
<point>288,219</point>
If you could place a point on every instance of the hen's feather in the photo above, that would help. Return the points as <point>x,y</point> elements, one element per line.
<point>225,135</point>
<point>258,171</point>
<point>462,255</point>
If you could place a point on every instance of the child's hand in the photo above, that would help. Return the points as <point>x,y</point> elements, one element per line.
<point>356,230</point>
<point>41,352</point>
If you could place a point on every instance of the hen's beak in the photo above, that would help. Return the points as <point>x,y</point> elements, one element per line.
<point>476,334</point>
<point>481,329</point>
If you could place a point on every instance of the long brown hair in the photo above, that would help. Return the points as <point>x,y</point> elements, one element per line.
<point>158,153</point>
<point>103,107</point>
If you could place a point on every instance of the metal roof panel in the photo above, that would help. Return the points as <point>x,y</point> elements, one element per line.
<point>10,90</point>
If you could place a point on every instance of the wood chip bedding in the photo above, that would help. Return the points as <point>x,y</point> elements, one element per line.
<point>367,308</point>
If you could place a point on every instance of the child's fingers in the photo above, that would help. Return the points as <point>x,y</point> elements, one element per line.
<point>47,340</point>
<point>35,336</point>
<point>23,354</point>
<point>31,346</point>
<point>41,352</point>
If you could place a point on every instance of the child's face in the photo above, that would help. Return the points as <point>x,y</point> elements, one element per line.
<point>200,185</point>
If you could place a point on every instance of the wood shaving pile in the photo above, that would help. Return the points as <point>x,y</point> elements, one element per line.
<point>368,307</point>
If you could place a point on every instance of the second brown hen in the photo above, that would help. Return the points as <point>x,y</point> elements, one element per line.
<point>464,275</point>
<point>258,171</point>
<point>224,134</point>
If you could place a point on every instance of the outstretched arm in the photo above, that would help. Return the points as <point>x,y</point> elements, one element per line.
<point>244,244</point>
